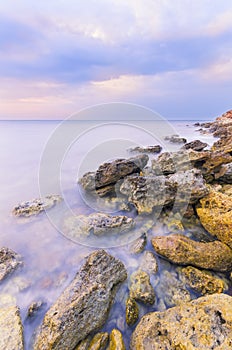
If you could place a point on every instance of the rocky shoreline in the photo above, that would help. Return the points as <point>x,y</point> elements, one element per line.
<point>183,307</point>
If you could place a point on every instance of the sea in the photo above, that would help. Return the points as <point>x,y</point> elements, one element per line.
<point>40,158</point>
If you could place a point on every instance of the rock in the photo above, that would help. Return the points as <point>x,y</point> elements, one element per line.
<point>141,288</point>
<point>175,139</point>
<point>84,344</point>
<point>148,149</point>
<point>108,174</point>
<point>196,145</point>
<point>184,251</point>
<point>215,214</point>
<point>201,324</point>
<point>84,304</point>
<point>132,312</point>
<point>11,329</point>
<point>36,206</point>
<point>149,263</point>
<point>139,244</point>
<point>99,341</point>
<point>202,281</point>
<point>116,341</point>
<point>9,261</point>
<point>227,174</point>
<point>34,308</point>
<point>97,224</point>
<point>171,290</point>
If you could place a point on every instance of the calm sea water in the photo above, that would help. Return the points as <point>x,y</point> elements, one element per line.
<point>30,149</point>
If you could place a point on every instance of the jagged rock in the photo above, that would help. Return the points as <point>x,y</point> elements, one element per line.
<point>132,311</point>
<point>202,281</point>
<point>9,261</point>
<point>201,324</point>
<point>175,139</point>
<point>11,328</point>
<point>148,149</point>
<point>34,308</point>
<point>36,206</point>
<point>139,244</point>
<point>171,290</point>
<point>184,251</point>
<point>84,344</point>
<point>108,174</point>
<point>147,192</point>
<point>97,224</point>
<point>215,214</point>
<point>141,288</point>
<point>99,341</point>
<point>196,145</point>
<point>116,341</point>
<point>226,173</point>
<point>84,304</point>
<point>149,263</point>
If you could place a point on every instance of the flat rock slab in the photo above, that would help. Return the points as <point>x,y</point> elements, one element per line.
<point>182,250</point>
<point>84,305</point>
<point>11,329</point>
<point>9,261</point>
<point>204,323</point>
<point>36,206</point>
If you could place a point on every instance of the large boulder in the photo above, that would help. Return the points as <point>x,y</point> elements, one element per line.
<point>9,261</point>
<point>84,305</point>
<point>201,324</point>
<point>196,145</point>
<point>215,213</point>
<point>182,250</point>
<point>11,328</point>
<point>103,181</point>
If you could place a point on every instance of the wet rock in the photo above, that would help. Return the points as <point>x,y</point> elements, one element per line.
<point>97,224</point>
<point>227,173</point>
<point>84,304</point>
<point>196,145</point>
<point>11,328</point>
<point>175,139</point>
<point>9,261</point>
<point>132,312</point>
<point>184,251</point>
<point>139,244</point>
<point>36,206</point>
<point>99,341</point>
<point>215,214</point>
<point>84,344</point>
<point>108,174</point>
<point>202,281</point>
<point>201,324</point>
<point>34,308</point>
<point>148,149</point>
<point>116,341</point>
<point>141,288</point>
<point>171,290</point>
<point>149,263</point>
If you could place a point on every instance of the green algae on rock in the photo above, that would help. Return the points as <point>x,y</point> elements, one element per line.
<point>215,214</point>
<point>141,288</point>
<point>99,341</point>
<point>202,281</point>
<point>132,311</point>
<point>182,250</point>
<point>204,323</point>
<point>84,305</point>
<point>116,340</point>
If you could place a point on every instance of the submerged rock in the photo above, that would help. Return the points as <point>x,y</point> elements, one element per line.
<point>36,206</point>
<point>99,341</point>
<point>11,328</point>
<point>215,214</point>
<point>175,139</point>
<point>182,250</point>
<point>108,174</point>
<point>34,308</point>
<point>201,324</point>
<point>149,263</point>
<point>84,305</point>
<point>202,281</point>
<point>148,149</point>
<point>132,312</point>
<point>139,244</point>
<point>141,288</point>
<point>9,261</point>
<point>97,224</point>
<point>116,340</point>
<point>196,145</point>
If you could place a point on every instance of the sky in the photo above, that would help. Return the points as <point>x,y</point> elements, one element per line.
<point>59,56</point>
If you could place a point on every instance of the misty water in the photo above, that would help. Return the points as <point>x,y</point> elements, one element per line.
<point>50,259</point>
